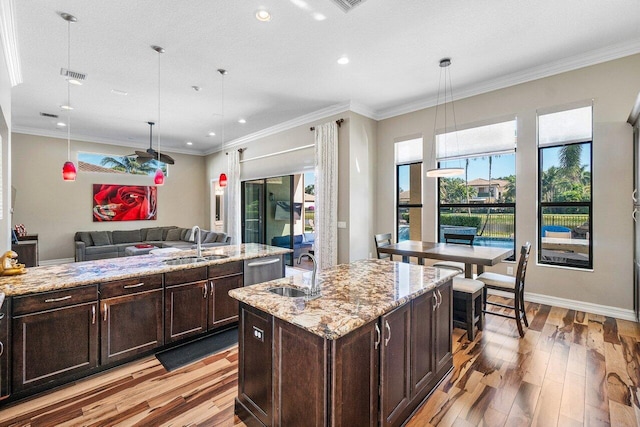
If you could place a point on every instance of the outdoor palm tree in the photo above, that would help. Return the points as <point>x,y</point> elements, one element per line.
<point>570,160</point>
<point>127,164</point>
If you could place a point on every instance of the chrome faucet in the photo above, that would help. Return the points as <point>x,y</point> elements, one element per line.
<point>196,229</point>
<point>315,287</point>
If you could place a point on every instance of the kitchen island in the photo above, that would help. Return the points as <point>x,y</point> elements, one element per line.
<point>368,351</point>
<point>63,322</point>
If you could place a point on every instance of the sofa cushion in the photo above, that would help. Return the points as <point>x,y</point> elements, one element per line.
<point>85,236</point>
<point>282,241</point>
<point>211,237</point>
<point>100,238</point>
<point>173,234</point>
<point>309,237</point>
<point>297,239</point>
<point>126,236</point>
<point>165,231</point>
<point>222,237</point>
<point>154,234</point>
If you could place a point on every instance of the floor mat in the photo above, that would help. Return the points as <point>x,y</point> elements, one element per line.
<point>185,354</point>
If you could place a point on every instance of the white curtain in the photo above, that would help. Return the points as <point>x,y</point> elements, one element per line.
<point>326,195</point>
<point>233,192</point>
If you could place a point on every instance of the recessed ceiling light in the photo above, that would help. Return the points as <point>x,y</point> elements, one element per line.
<point>66,107</point>
<point>75,82</point>
<point>196,88</point>
<point>61,124</point>
<point>243,121</point>
<point>263,15</point>
<point>119,92</point>
<point>319,17</point>
<point>343,60</point>
<point>189,143</point>
<point>211,134</point>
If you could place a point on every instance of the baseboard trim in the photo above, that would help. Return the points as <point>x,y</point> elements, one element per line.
<point>55,261</point>
<point>604,310</point>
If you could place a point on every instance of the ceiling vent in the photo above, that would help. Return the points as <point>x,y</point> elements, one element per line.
<point>347,5</point>
<point>73,74</point>
<point>53,116</point>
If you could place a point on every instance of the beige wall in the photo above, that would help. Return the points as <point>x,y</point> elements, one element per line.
<point>613,87</point>
<point>55,209</point>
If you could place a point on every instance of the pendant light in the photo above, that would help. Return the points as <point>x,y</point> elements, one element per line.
<point>68,169</point>
<point>439,172</point>
<point>222,181</point>
<point>158,179</point>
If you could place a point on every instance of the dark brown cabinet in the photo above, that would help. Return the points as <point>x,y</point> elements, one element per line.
<point>443,327</point>
<point>55,336</point>
<point>5,348</point>
<point>223,309</point>
<point>186,300</point>
<point>27,252</point>
<point>422,368</point>
<point>132,317</point>
<point>395,362</point>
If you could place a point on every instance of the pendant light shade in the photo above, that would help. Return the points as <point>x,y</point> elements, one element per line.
<point>69,171</point>
<point>442,172</point>
<point>222,181</point>
<point>158,179</point>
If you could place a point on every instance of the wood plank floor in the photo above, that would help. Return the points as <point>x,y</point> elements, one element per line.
<point>570,369</point>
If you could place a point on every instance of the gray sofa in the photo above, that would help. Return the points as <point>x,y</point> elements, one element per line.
<point>92,245</point>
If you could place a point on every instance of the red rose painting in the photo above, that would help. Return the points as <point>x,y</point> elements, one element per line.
<point>124,202</point>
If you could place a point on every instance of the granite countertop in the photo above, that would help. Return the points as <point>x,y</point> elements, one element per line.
<point>50,278</point>
<point>352,294</point>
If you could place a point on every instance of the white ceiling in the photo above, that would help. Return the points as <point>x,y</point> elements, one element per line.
<point>286,68</point>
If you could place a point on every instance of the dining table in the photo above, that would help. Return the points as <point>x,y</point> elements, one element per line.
<point>480,256</point>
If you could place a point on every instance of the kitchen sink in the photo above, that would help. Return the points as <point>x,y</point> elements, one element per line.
<point>193,259</point>
<point>288,292</point>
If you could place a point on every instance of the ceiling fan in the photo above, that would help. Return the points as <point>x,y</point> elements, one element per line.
<point>150,153</point>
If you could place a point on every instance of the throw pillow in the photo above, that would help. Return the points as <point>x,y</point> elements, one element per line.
<point>154,234</point>
<point>85,237</point>
<point>174,234</point>
<point>221,237</point>
<point>211,237</point>
<point>100,238</point>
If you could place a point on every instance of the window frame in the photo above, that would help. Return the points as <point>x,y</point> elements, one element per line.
<point>408,205</point>
<point>542,205</point>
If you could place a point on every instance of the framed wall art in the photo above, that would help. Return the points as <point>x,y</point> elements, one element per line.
<point>112,202</point>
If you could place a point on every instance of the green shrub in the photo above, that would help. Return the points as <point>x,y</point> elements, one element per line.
<point>461,220</point>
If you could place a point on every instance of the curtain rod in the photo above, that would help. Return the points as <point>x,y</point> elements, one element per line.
<point>338,122</point>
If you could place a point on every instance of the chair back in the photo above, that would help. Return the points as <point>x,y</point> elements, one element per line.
<point>462,239</point>
<point>382,240</point>
<point>522,266</point>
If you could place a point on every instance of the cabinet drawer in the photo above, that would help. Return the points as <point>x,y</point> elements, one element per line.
<point>185,276</point>
<point>225,269</point>
<point>55,299</point>
<point>130,286</point>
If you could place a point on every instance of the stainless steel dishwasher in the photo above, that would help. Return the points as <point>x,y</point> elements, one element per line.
<point>260,270</point>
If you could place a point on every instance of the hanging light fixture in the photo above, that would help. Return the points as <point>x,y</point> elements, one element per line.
<point>222,181</point>
<point>439,172</point>
<point>158,179</point>
<point>68,169</point>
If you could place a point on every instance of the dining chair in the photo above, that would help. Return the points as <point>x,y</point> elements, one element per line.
<point>512,284</point>
<point>461,239</point>
<point>383,240</point>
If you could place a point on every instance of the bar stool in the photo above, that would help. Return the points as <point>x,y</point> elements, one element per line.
<point>468,304</point>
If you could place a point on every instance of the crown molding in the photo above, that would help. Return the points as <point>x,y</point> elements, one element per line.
<point>85,138</point>
<point>10,41</point>
<point>363,110</point>
<point>586,59</point>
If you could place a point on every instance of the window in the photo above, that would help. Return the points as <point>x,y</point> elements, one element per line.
<point>564,188</point>
<point>409,191</point>
<point>483,201</point>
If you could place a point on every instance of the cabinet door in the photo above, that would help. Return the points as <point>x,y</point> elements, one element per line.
<point>223,309</point>
<point>4,349</point>
<point>356,377</point>
<point>422,358</point>
<point>53,345</point>
<point>185,310</point>
<point>395,354</point>
<point>131,325</point>
<point>443,326</point>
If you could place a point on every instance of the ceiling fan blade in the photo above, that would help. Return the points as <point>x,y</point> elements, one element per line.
<point>166,159</point>
<point>144,155</point>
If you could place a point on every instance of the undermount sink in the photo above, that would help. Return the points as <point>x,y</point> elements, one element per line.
<point>288,292</point>
<point>193,259</point>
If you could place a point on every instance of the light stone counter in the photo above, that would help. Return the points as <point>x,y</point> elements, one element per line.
<point>50,278</point>
<point>352,295</point>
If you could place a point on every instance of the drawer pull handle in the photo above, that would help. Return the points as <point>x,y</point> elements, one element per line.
<point>386,340</point>
<point>259,263</point>
<point>204,290</point>
<point>435,301</point>
<point>137,285</point>
<point>58,299</point>
<point>93,314</point>
<point>211,286</point>
<point>377,343</point>
<point>105,311</point>
<point>1,316</point>
<point>1,348</point>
